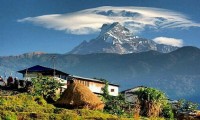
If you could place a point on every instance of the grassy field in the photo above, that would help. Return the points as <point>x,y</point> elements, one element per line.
<point>22,106</point>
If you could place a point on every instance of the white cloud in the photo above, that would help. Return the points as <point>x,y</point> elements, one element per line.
<point>169,41</point>
<point>90,20</point>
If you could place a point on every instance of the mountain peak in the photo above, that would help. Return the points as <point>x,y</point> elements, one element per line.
<point>115,38</point>
<point>112,27</point>
<point>114,33</point>
<point>109,26</point>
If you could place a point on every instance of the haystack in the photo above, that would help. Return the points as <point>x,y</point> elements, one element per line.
<point>78,95</point>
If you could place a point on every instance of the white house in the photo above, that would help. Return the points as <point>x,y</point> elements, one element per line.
<point>95,85</point>
<point>34,71</point>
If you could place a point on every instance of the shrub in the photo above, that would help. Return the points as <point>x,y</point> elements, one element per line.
<point>186,106</point>
<point>7,115</point>
<point>153,103</point>
<point>2,101</point>
<point>45,86</point>
<point>115,105</point>
<point>40,100</point>
<point>167,111</point>
<point>55,117</point>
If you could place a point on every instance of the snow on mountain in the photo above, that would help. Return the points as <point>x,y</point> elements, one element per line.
<point>115,38</point>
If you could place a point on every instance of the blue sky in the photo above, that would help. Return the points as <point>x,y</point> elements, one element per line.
<point>52,26</point>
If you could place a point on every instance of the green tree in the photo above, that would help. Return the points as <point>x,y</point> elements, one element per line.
<point>113,104</point>
<point>45,86</point>
<point>105,94</point>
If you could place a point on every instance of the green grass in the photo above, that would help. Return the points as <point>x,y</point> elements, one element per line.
<point>27,107</point>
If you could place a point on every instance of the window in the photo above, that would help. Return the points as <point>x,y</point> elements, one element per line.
<point>112,90</point>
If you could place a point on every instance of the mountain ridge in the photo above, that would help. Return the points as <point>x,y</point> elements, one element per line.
<point>176,73</point>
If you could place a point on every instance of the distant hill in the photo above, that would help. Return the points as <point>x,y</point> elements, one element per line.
<point>177,73</point>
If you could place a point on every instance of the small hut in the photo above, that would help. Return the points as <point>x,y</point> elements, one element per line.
<point>78,95</point>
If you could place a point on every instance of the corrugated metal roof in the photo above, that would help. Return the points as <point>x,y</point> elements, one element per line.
<point>133,89</point>
<point>39,68</point>
<point>91,79</point>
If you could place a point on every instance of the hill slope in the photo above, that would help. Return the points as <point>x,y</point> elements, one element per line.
<point>177,73</point>
<point>26,107</point>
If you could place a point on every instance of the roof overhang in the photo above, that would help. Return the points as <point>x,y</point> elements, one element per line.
<point>93,80</point>
<point>41,69</point>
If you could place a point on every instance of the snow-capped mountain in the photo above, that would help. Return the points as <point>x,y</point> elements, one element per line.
<point>115,38</point>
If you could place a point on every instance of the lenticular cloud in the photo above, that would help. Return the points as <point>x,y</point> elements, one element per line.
<point>169,41</point>
<point>135,18</point>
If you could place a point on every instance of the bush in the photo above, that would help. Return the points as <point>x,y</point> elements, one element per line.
<point>167,111</point>
<point>40,100</point>
<point>2,101</point>
<point>115,105</point>
<point>154,103</point>
<point>186,106</point>
<point>7,115</point>
<point>45,86</point>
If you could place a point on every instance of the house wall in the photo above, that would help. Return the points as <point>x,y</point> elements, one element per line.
<point>113,90</point>
<point>130,95</point>
<point>96,87</point>
<point>131,98</point>
<point>29,77</point>
<point>86,83</point>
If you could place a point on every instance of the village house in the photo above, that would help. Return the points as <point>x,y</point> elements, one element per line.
<point>34,71</point>
<point>130,94</point>
<point>93,84</point>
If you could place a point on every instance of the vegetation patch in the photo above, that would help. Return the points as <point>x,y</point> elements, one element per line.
<point>28,107</point>
<point>152,104</point>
